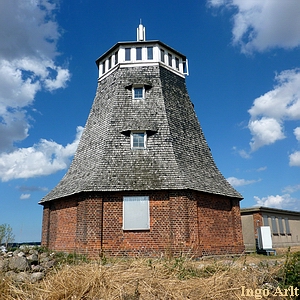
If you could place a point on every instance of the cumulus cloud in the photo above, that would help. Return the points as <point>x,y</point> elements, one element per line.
<point>270,110</point>
<point>278,201</point>
<point>294,159</point>
<point>28,49</point>
<point>44,158</point>
<point>240,182</point>
<point>261,25</point>
<point>297,133</point>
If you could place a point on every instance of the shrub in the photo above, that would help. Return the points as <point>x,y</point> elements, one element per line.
<point>290,273</point>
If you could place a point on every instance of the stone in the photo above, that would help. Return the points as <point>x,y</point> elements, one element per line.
<point>19,264</point>
<point>33,258</point>
<point>37,276</point>
<point>4,265</point>
<point>21,254</point>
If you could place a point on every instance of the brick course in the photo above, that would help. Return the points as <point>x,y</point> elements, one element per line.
<point>181,222</point>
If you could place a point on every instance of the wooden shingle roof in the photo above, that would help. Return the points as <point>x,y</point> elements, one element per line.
<point>177,155</point>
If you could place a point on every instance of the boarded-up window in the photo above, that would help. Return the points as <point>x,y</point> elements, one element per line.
<point>136,214</point>
<point>266,220</point>
<point>274,225</point>
<point>280,223</point>
<point>287,226</point>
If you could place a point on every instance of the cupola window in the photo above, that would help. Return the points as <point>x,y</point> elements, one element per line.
<point>177,63</point>
<point>138,53</point>
<point>149,53</point>
<point>109,62</point>
<point>162,55</point>
<point>170,59</point>
<point>127,54</point>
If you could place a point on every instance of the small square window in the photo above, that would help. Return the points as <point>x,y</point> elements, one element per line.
<point>149,53</point>
<point>138,93</point>
<point>127,54</point>
<point>136,215</point>
<point>138,140</point>
<point>138,53</point>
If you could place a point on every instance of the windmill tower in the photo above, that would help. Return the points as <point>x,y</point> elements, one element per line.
<point>143,179</point>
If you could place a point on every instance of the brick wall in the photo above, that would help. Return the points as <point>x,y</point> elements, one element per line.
<point>257,222</point>
<point>193,223</point>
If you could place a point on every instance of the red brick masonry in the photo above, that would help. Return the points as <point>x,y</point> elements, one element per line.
<point>181,222</point>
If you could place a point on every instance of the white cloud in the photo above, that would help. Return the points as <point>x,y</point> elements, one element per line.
<point>28,42</point>
<point>265,131</point>
<point>260,25</point>
<point>261,169</point>
<point>44,158</point>
<point>297,133</point>
<point>291,188</point>
<point>295,159</point>
<point>240,182</point>
<point>244,154</point>
<point>278,201</point>
<point>270,110</point>
<point>25,196</point>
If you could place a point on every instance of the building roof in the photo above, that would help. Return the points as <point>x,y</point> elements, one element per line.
<point>140,44</point>
<point>177,155</point>
<point>268,210</point>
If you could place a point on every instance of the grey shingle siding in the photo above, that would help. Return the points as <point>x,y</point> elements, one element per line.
<point>177,155</point>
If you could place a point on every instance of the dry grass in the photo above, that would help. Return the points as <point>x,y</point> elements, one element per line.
<point>138,279</point>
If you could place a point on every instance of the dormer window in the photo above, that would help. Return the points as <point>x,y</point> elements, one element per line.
<point>138,139</point>
<point>138,92</point>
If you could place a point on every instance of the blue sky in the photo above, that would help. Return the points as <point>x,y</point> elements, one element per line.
<point>244,81</point>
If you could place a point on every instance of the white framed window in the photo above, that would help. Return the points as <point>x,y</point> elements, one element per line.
<point>127,54</point>
<point>138,53</point>
<point>136,213</point>
<point>138,92</point>
<point>162,55</point>
<point>149,53</point>
<point>177,63</point>
<point>138,139</point>
<point>170,59</point>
